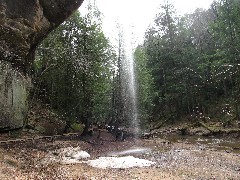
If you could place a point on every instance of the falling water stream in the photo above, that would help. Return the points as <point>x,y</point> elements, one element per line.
<point>130,68</point>
<point>129,81</point>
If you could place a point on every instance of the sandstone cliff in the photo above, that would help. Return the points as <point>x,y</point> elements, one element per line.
<point>23,25</point>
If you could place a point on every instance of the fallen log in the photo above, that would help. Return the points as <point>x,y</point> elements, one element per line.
<point>215,131</point>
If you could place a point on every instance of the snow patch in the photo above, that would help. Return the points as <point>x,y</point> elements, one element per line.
<point>119,162</point>
<point>69,155</point>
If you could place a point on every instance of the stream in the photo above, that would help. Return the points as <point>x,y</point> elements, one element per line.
<point>168,156</point>
<point>227,144</point>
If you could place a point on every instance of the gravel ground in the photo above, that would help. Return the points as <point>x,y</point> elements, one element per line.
<point>173,161</point>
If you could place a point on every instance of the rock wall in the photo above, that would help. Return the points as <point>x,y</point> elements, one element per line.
<point>13,97</point>
<point>23,25</point>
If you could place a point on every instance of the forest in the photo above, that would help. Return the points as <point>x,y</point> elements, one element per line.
<point>167,109</point>
<point>186,69</point>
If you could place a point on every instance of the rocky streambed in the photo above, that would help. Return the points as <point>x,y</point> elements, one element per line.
<point>178,159</point>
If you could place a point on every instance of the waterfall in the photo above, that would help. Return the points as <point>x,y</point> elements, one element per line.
<point>132,91</point>
<point>129,89</point>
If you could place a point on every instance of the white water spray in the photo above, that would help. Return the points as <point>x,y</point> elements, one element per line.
<point>130,81</point>
<point>132,91</point>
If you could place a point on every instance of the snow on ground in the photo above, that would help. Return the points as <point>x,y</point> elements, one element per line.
<point>72,155</point>
<point>119,162</point>
<point>69,155</point>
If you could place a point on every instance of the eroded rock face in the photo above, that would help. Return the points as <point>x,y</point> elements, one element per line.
<point>23,25</point>
<point>13,97</point>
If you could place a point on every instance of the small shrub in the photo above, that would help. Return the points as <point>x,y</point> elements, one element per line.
<point>76,127</point>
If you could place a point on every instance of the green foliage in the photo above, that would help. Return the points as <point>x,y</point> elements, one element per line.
<point>191,61</point>
<point>77,127</point>
<point>144,84</point>
<point>185,65</point>
<point>73,69</point>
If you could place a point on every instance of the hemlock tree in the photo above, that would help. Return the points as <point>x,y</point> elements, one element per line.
<point>73,69</point>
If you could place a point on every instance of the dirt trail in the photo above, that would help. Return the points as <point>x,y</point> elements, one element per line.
<point>173,160</point>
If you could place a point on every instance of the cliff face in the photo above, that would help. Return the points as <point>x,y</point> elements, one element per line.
<point>23,25</point>
<point>13,97</point>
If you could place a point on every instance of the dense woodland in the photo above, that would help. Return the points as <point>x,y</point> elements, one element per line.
<point>192,63</point>
<point>187,68</point>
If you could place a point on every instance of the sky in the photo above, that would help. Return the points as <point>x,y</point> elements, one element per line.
<point>135,16</point>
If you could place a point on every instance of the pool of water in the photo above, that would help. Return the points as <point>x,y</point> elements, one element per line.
<point>227,144</point>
